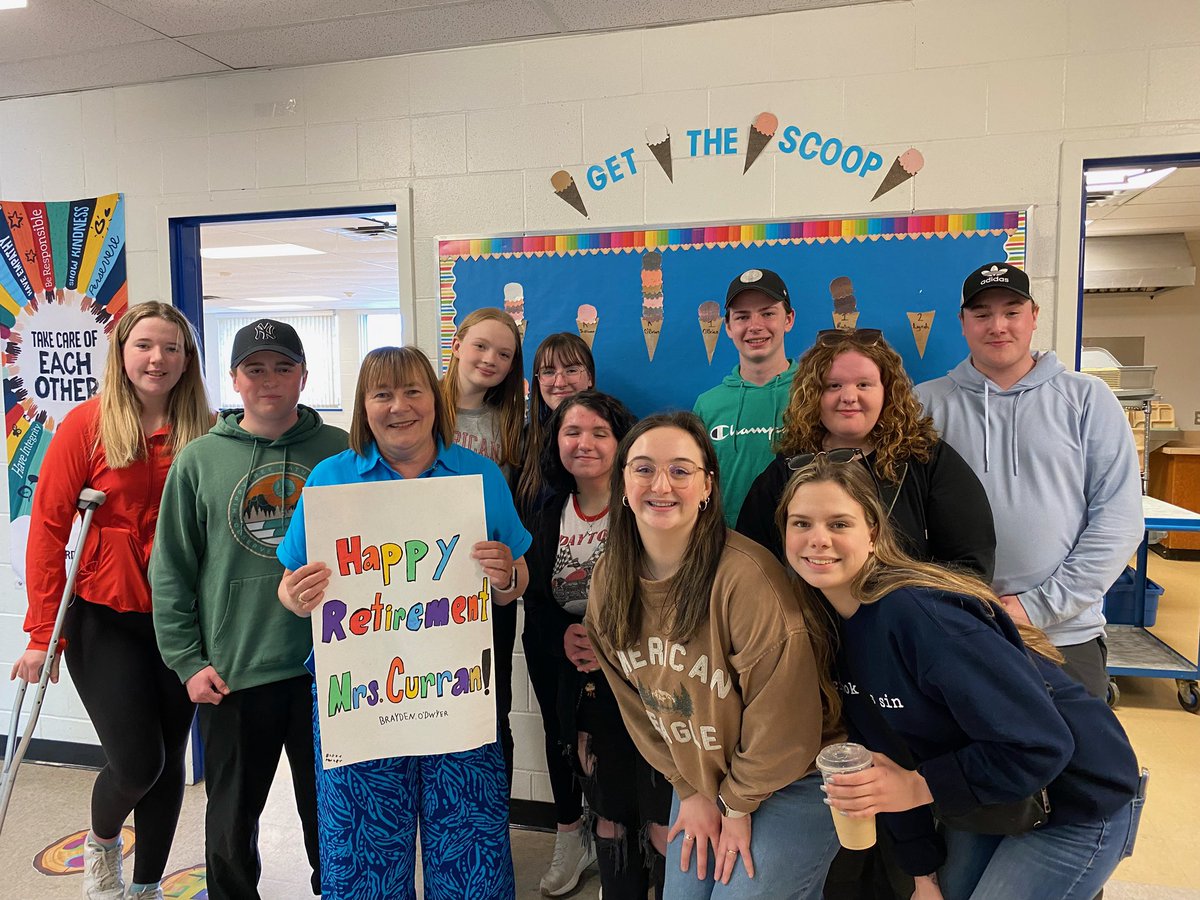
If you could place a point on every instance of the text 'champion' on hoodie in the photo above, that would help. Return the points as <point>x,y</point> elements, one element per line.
<point>227,503</point>
<point>743,420</point>
<point>1056,456</point>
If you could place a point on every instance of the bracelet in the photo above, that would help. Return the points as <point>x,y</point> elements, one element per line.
<point>512,582</point>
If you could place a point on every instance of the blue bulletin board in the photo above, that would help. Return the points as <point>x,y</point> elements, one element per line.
<point>905,277</point>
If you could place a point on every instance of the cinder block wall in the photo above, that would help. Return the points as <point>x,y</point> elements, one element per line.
<point>988,95</point>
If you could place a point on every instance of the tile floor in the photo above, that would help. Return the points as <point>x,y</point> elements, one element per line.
<point>49,803</point>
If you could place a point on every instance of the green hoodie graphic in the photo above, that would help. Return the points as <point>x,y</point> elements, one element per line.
<point>743,420</point>
<point>226,505</point>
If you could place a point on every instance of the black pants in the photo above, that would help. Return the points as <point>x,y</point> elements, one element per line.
<point>1087,663</point>
<point>504,638</point>
<point>142,715</point>
<point>243,736</point>
<point>546,674</point>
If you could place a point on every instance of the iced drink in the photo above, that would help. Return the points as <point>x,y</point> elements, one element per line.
<point>843,759</point>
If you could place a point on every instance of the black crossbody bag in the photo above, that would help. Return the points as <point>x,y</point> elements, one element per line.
<point>1014,817</point>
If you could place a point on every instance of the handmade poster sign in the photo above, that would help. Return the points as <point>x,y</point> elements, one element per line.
<point>649,302</point>
<point>403,640</point>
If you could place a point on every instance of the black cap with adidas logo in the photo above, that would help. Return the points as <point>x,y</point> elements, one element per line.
<point>995,275</point>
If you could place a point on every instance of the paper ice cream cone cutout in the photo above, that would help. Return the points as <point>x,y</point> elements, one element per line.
<point>652,299</point>
<point>658,139</point>
<point>710,326</point>
<point>762,129</point>
<point>921,323</point>
<point>514,305</point>
<point>904,167</point>
<point>651,329</point>
<point>564,185</point>
<point>845,321</point>
<point>845,305</point>
<point>586,320</point>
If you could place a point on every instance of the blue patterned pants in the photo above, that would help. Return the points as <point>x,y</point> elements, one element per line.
<point>369,815</point>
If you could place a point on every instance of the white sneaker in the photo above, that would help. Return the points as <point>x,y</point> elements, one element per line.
<point>102,878</point>
<point>572,854</point>
<point>154,893</point>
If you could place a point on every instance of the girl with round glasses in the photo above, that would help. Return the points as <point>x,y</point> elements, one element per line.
<point>701,638</point>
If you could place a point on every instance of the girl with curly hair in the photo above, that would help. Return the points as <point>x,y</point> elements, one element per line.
<point>851,393</point>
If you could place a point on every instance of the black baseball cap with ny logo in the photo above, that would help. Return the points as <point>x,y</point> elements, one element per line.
<point>267,334</point>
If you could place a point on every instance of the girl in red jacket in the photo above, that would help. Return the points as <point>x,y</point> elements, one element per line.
<point>152,402</point>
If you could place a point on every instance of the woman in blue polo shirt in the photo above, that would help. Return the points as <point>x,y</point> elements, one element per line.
<point>369,812</point>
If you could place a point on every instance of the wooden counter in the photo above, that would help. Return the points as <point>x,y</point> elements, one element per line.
<point>1175,478</point>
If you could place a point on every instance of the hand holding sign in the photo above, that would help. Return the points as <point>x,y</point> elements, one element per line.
<point>303,590</point>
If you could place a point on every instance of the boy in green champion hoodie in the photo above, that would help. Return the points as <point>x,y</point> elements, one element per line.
<point>745,411</point>
<point>226,505</point>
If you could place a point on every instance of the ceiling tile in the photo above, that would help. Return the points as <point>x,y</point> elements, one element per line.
<point>56,27</point>
<point>386,34</point>
<point>81,70</point>
<point>180,17</point>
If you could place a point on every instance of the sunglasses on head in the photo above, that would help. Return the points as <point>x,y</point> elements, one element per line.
<point>839,455</point>
<point>843,455</point>
<point>867,337</point>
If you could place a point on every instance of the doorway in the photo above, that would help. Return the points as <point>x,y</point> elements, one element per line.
<point>332,274</point>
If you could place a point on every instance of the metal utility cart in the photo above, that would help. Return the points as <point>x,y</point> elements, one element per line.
<point>1132,649</point>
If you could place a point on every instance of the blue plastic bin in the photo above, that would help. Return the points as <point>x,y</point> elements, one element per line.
<point>1121,607</point>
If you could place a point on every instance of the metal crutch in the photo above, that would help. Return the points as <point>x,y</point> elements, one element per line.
<point>89,501</point>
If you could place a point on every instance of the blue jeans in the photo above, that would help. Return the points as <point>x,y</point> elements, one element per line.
<point>792,842</point>
<point>1061,862</point>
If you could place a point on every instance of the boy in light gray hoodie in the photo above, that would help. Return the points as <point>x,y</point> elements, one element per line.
<point>1056,456</point>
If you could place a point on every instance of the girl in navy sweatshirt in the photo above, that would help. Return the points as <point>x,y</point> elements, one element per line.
<point>928,669</point>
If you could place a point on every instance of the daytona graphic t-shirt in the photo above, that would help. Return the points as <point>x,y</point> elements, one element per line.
<point>580,543</point>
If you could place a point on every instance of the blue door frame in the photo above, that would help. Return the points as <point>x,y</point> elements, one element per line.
<point>187,281</point>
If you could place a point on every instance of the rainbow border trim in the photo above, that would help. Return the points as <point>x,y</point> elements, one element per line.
<point>809,231</point>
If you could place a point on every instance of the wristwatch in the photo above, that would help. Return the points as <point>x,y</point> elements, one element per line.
<point>512,581</point>
<point>729,813</point>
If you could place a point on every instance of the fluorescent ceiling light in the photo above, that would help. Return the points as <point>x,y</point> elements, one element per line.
<point>295,298</point>
<point>275,309</point>
<point>13,4</point>
<point>1114,180</point>
<point>254,251</point>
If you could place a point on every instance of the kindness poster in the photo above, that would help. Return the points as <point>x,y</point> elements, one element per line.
<point>403,639</point>
<point>62,289</point>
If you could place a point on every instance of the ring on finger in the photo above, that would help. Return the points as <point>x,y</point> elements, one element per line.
<point>688,837</point>
<point>731,853</point>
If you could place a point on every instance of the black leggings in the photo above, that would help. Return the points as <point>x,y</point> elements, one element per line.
<point>142,715</point>
<point>546,674</point>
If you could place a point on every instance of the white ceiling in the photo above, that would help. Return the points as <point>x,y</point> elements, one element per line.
<point>1171,205</point>
<point>67,45</point>
<point>355,273</point>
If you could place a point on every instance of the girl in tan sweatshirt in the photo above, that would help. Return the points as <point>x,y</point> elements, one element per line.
<point>703,642</point>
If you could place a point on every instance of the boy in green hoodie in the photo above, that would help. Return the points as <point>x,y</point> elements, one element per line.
<point>744,412</point>
<point>226,505</point>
